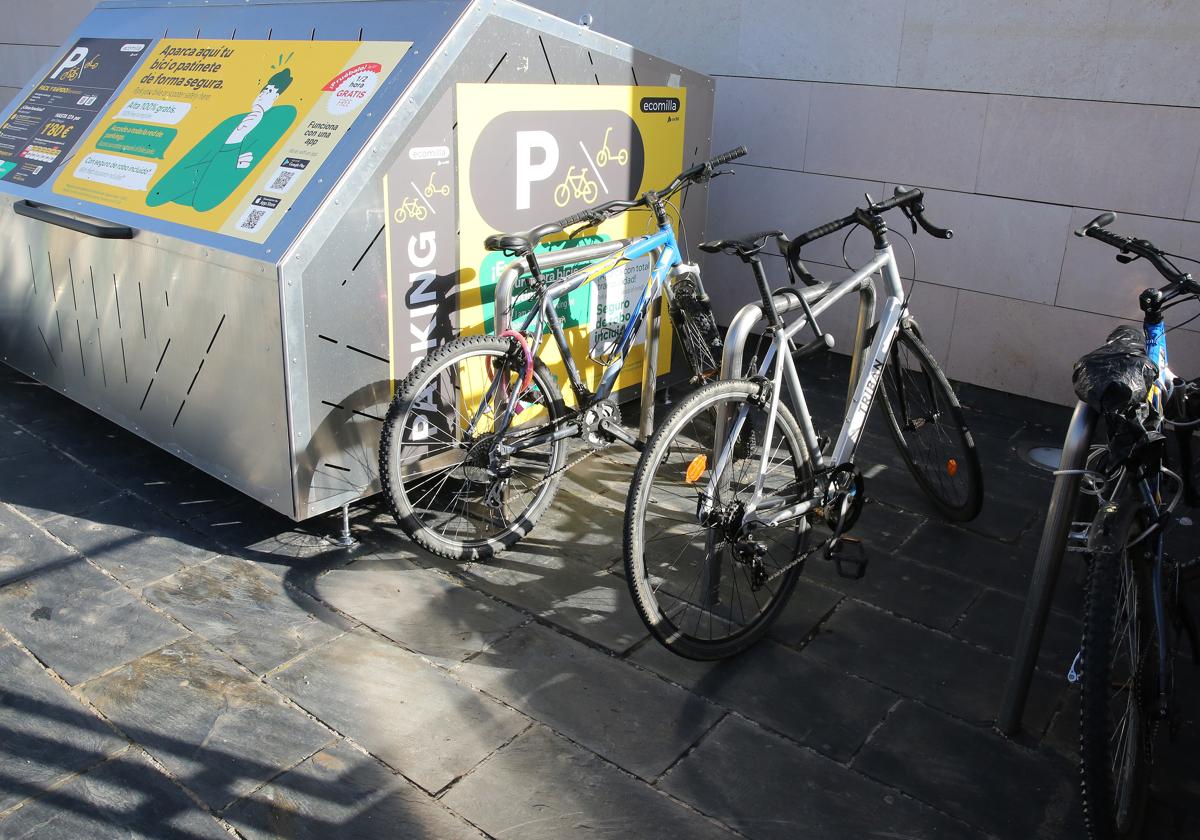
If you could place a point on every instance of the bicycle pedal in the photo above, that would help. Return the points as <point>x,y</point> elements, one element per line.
<point>849,557</point>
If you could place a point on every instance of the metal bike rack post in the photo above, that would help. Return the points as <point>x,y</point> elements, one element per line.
<point>1046,569</point>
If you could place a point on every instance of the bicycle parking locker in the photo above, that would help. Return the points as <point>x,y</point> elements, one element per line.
<point>230,227</point>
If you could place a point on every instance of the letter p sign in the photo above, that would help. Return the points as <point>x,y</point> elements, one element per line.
<point>527,170</point>
<point>74,59</point>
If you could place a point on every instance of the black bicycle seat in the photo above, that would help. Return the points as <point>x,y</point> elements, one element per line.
<point>743,246</point>
<point>520,244</point>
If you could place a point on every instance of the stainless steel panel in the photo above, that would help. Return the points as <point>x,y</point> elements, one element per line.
<point>268,366</point>
<point>181,350</point>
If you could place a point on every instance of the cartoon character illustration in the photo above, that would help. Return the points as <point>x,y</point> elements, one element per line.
<point>215,167</point>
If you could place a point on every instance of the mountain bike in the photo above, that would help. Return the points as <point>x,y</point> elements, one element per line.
<point>474,443</point>
<point>729,488</point>
<point>1134,607</point>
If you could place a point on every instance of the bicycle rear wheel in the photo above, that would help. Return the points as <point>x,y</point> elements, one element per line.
<point>1119,653</point>
<point>447,487</point>
<point>927,424</point>
<point>700,590</point>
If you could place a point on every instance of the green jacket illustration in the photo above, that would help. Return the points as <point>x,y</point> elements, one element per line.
<point>215,167</point>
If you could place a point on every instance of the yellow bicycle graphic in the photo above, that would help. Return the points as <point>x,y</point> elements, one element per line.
<point>410,208</point>
<point>577,186</point>
<point>605,154</point>
<point>431,190</point>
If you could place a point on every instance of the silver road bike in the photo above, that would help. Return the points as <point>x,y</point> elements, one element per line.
<point>731,487</point>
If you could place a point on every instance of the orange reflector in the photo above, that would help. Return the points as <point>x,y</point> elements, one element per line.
<point>696,469</point>
<point>952,467</point>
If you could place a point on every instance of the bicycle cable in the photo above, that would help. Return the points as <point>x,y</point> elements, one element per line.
<point>687,251</point>
<point>1184,323</point>
<point>912,288</point>
<point>911,250</point>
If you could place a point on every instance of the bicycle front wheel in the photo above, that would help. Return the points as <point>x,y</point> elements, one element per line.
<point>692,317</point>
<point>1119,653</point>
<point>927,424</point>
<point>447,486</point>
<point>710,591</point>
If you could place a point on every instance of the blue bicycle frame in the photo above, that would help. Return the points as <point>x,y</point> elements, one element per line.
<point>544,316</point>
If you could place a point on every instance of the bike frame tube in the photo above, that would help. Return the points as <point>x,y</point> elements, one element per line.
<point>779,364</point>
<point>666,252</point>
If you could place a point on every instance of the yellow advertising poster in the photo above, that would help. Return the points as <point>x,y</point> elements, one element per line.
<point>564,149</point>
<point>223,135</point>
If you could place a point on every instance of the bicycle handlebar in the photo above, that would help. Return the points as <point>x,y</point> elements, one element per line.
<point>908,200</point>
<point>696,174</point>
<point>1144,248</point>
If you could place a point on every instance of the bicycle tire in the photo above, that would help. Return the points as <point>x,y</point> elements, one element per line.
<point>1115,805</point>
<point>484,359</point>
<point>953,481</point>
<point>696,326</point>
<point>666,613</point>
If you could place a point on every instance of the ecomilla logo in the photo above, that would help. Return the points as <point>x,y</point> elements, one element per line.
<point>660,105</point>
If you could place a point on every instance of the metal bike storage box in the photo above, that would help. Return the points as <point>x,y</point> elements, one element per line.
<point>261,343</point>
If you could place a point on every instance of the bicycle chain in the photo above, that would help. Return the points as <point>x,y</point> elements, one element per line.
<point>800,559</point>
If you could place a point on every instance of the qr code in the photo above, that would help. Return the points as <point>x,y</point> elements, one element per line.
<point>253,218</point>
<point>283,177</point>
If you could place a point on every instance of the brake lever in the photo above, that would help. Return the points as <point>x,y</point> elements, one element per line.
<point>910,215</point>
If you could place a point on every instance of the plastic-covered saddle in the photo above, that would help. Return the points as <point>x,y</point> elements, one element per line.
<point>1116,375</point>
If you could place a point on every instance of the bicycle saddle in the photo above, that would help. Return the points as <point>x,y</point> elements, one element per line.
<point>520,244</point>
<point>1116,375</point>
<point>744,247</point>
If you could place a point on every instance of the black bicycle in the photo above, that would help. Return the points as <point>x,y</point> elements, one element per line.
<point>1134,609</point>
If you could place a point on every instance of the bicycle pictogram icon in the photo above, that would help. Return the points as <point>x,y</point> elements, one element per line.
<point>431,190</point>
<point>621,156</point>
<point>576,186</point>
<point>410,208</point>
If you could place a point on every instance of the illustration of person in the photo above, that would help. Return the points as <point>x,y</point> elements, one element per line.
<point>210,172</point>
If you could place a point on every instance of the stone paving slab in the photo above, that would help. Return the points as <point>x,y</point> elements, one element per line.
<point>246,612</point>
<point>80,622</point>
<point>1007,790</point>
<point>918,662</point>
<point>896,677</point>
<point>990,622</point>
<point>15,441</point>
<point>972,555</point>
<point>786,691</point>
<point>543,787</point>
<point>42,485</point>
<point>125,797</point>
<point>630,717</point>
<point>904,587</point>
<point>45,735</point>
<point>768,788</point>
<point>418,719</point>
<point>210,723</point>
<point>417,608</point>
<point>592,604</point>
<point>131,540</point>
<point>342,792</point>
<point>809,605</point>
<point>25,549</point>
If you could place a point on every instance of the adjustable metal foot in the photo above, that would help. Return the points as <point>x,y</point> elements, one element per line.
<point>344,539</point>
